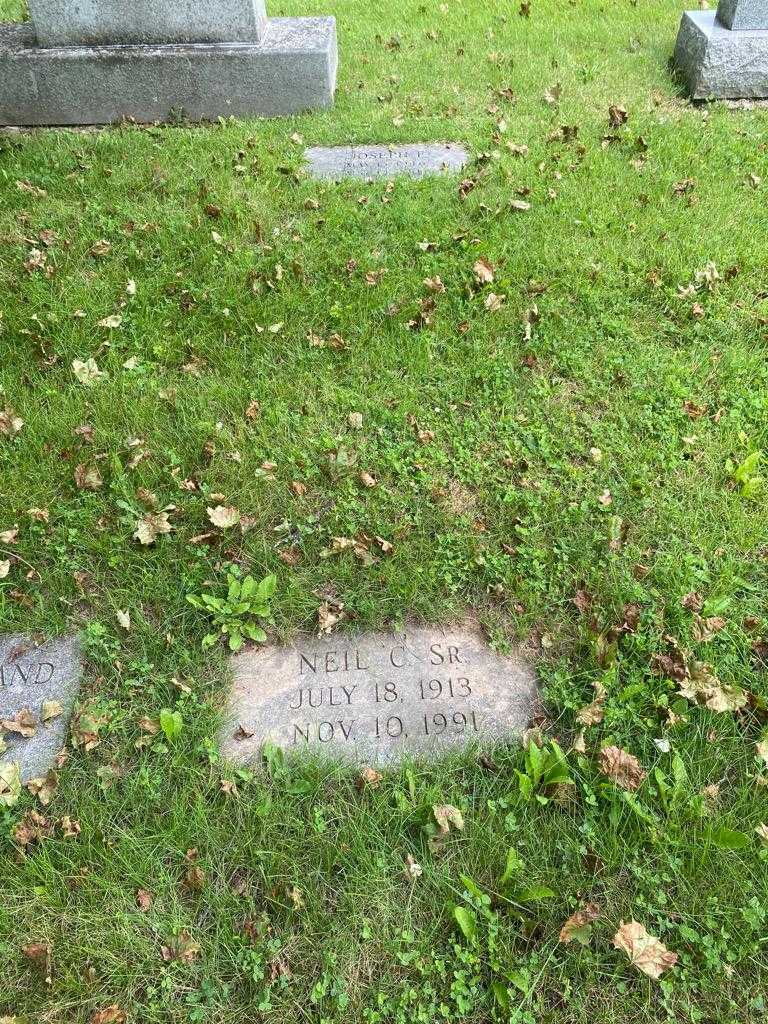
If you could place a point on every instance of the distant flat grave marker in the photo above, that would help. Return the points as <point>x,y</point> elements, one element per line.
<point>375,698</point>
<point>31,676</point>
<point>416,160</point>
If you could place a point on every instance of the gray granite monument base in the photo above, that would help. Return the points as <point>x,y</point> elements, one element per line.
<point>716,62</point>
<point>293,68</point>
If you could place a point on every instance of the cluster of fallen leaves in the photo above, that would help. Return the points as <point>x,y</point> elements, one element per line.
<point>34,827</point>
<point>645,952</point>
<point>360,546</point>
<point>156,522</point>
<point>23,726</point>
<point>697,680</point>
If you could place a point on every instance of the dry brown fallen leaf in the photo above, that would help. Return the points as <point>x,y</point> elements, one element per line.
<point>647,953</point>
<point>143,900</point>
<point>593,713</point>
<point>434,284</point>
<point>577,925</point>
<point>622,768</point>
<point>40,515</point>
<point>296,897</point>
<point>84,731</point>
<point>580,744</point>
<point>87,372</point>
<point>39,955</point>
<point>87,478</point>
<point>446,815</point>
<point>49,710</point>
<point>44,788</point>
<point>413,869</point>
<point>151,526</point>
<point>484,271</point>
<point>33,828</point>
<point>583,601</point>
<point>705,629</point>
<point>109,1015</point>
<point>70,827</point>
<point>10,423</point>
<point>703,687</point>
<point>100,248</point>
<point>36,260</point>
<point>329,615</point>
<point>291,556</point>
<point>194,878</point>
<point>23,723</point>
<point>223,516</point>
<point>183,948</point>
<point>31,190</point>
<point>368,778</point>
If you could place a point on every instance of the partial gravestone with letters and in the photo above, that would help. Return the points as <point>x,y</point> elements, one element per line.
<point>375,698</point>
<point>723,54</point>
<point>38,686</point>
<point>100,61</point>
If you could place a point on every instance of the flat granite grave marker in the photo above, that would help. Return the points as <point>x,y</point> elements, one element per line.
<point>31,675</point>
<point>417,160</point>
<point>723,54</point>
<point>100,61</point>
<point>375,698</point>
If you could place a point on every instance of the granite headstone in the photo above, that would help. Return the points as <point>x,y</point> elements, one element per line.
<point>723,54</point>
<point>113,22</point>
<point>100,61</point>
<point>743,14</point>
<point>38,687</point>
<point>375,698</point>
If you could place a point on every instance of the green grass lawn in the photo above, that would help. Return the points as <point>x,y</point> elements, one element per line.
<point>573,465</point>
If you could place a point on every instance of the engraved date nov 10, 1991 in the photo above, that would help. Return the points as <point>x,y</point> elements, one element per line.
<point>386,727</point>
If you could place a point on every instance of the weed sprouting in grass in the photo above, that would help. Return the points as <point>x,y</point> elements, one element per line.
<point>237,616</point>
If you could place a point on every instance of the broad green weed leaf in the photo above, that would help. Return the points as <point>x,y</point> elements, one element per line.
<point>466,921</point>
